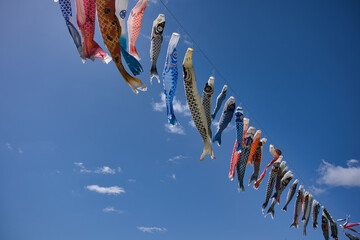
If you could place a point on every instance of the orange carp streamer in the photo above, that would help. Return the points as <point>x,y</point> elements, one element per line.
<point>111,30</point>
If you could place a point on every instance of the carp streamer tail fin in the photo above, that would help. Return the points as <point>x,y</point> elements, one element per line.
<point>271,211</point>
<point>284,208</point>
<point>93,50</point>
<point>76,38</point>
<point>252,178</point>
<point>207,150</point>
<point>134,83</point>
<point>172,119</point>
<point>154,73</point>
<point>133,64</point>
<point>295,225</point>
<point>241,187</point>
<point>264,206</point>
<point>217,138</point>
<point>134,52</point>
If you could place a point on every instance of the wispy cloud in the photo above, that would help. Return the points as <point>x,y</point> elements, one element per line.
<point>192,124</point>
<point>167,37</point>
<point>148,37</point>
<point>340,176</point>
<point>179,108</point>
<point>189,43</point>
<point>114,190</point>
<point>178,129</point>
<point>215,123</point>
<point>8,146</point>
<point>111,209</point>
<point>317,190</point>
<point>83,169</point>
<point>105,170</point>
<point>100,170</point>
<point>154,1</point>
<point>152,229</point>
<point>20,151</point>
<point>173,176</point>
<point>132,180</point>
<point>176,158</point>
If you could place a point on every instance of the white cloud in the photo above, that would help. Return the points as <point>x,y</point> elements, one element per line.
<point>192,124</point>
<point>174,129</point>
<point>167,37</point>
<point>178,157</point>
<point>152,229</point>
<point>215,123</point>
<point>114,190</point>
<point>82,167</point>
<point>132,180</point>
<point>154,1</point>
<point>352,162</point>
<point>148,37</point>
<point>173,176</point>
<point>112,209</point>
<point>339,176</point>
<point>105,170</point>
<point>100,170</point>
<point>316,190</point>
<point>179,108</point>
<point>189,43</point>
<point>8,145</point>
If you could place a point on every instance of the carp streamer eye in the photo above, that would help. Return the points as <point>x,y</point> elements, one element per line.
<point>160,28</point>
<point>208,89</point>
<point>232,107</point>
<point>187,75</point>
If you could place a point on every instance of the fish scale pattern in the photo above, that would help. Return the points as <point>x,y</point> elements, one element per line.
<point>110,30</point>
<point>155,48</point>
<point>290,194</point>
<point>241,166</point>
<point>276,197</point>
<point>66,9</point>
<point>239,134</point>
<point>170,77</point>
<point>193,106</point>
<point>315,212</point>
<point>257,161</point>
<point>219,101</point>
<point>85,16</point>
<point>206,102</point>
<point>134,25</point>
<point>155,45</point>
<point>271,182</point>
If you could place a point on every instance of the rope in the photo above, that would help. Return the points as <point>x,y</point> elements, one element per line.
<point>222,77</point>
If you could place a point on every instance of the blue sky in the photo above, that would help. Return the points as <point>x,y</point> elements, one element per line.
<point>82,157</point>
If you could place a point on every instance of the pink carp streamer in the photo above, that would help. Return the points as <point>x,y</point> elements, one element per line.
<point>134,25</point>
<point>85,16</point>
<point>234,160</point>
